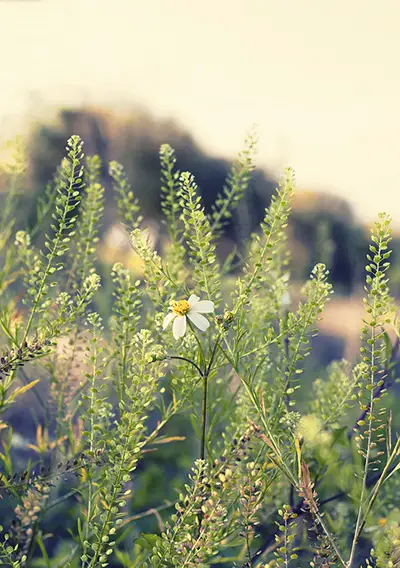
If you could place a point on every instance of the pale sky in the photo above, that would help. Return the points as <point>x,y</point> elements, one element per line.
<point>320,78</point>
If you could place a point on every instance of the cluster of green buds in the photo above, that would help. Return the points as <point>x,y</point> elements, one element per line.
<point>285,552</point>
<point>225,320</point>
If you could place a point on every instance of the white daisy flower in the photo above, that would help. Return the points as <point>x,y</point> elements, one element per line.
<point>192,309</point>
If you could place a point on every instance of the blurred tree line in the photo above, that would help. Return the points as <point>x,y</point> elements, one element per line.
<point>323,227</point>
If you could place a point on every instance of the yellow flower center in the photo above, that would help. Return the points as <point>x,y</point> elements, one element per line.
<point>181,307</point>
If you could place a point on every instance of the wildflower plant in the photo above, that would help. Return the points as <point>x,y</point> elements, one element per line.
<point>190,309</point>
<point>178,425</point>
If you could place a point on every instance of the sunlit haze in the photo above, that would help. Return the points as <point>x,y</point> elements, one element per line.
<point>320,79</point>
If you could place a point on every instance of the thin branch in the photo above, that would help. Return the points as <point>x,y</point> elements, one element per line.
<point>378,391</point>
<point>170,357</point>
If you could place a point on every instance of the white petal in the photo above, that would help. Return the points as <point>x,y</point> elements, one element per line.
<point>193,300</point>
<point>179,327</point>
<point>203,307</point>
<point>167,320</point>
<point>198,320</point>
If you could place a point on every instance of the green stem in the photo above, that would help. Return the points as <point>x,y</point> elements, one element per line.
<point>367,459</point>
<point>204,403</point>
<point>114,496</point>
<point>168,357</point>
<point>286,542</point>
<point>331,540</point>
<point>378,485</point>
<point>204,375</point>
<point>90,504</point>
<point>277,457</point>
<point>204,418</point>
<point>248,550</point>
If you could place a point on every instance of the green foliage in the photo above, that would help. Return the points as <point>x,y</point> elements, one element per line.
<point>83,249</point>
<point>235,187</point>
<point>267,252</point>
<point>196,384</point>
<point>301,324</point>
<point>170,195</point>
<point>170,191</point>
<point>333,396</point>
<point>65,217</point>
<point>199,238</point>
<point>127,203</point>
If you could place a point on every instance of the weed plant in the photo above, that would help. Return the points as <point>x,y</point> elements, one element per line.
<point>186,392</point>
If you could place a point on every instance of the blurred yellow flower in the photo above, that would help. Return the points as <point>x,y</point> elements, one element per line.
<point>311,429</point>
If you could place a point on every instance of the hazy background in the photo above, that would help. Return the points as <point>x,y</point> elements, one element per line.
<point>320,79</point>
